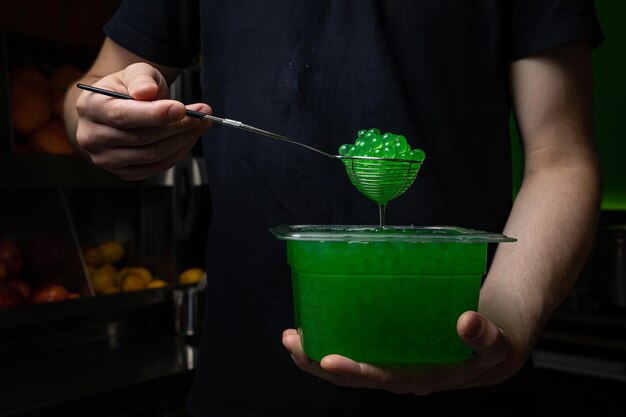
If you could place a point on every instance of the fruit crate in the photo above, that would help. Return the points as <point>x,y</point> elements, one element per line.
<point>58,208</point>
<point>38,248</point>
<point>97,240</point>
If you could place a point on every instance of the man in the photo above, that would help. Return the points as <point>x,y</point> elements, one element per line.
<point>446,75</point>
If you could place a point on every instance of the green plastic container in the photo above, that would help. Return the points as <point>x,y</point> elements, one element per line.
<point>389,296</point>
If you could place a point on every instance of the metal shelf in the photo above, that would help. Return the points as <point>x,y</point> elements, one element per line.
<point>71,171</point>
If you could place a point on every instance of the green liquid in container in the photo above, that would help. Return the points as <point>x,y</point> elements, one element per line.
<point>385,296</point>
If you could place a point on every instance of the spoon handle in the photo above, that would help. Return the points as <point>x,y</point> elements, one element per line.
<point>199,115</point>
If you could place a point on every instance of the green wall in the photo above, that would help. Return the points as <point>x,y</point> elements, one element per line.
<point>609,66</point>
<point>609,79</point>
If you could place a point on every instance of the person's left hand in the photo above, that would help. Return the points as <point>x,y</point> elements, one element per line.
<point>495,359</point>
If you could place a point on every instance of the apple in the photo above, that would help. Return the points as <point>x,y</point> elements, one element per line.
<point>9,295</point>
<point>44,255</point>
<point>11,256</point>
<point>48,293</point>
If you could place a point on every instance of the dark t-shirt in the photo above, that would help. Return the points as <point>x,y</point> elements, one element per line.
<point>319,71</point>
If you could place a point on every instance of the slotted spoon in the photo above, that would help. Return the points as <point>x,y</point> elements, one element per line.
<point>379,179</point>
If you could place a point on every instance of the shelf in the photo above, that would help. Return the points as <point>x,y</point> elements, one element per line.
<point>43,313</point>
<point>39,170</point>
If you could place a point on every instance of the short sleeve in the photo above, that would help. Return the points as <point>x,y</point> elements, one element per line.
<point>535,25</point>
<point>163,31</point>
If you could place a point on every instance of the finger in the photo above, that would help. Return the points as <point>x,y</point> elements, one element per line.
<point>144,82</point>
<point>487,339</point>
<point>348,372</point>
<point>292,342</point>
<point>131,114</point>
<point>117,158</point>
<point>143,171</point>
<point>338,369</point>
<point>95,137</point>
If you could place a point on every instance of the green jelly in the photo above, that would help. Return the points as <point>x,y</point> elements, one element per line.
<point>381,180</point>
<point>385,296</point>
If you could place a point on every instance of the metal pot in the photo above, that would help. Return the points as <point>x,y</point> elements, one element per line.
<point>610,282</point>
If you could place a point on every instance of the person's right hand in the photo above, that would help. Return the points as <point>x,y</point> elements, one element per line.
<point>135,139</point>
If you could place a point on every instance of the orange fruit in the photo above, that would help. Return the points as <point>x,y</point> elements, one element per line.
<point>63,75</point>
<point>58,98</point>
<point>29,73</point>
<point>51,139</point>
<point>31,101</point>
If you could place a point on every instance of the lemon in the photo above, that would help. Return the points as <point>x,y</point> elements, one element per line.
<point>112,251</point>
<point>157,283</point>
<point>90,270</point>
<point>93,257</point>
<point>144,273</point>
<point>111,290</point>
<point>109,268</point>
<point>191,276</point>
<point>133,282</point>
<point>119,275</point>
<point>102,279</point>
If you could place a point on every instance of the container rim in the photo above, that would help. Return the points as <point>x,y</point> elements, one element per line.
<point>369,233</point>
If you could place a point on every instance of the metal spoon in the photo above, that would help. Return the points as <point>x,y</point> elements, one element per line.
<point>379,179</point>
<point>228,122</point>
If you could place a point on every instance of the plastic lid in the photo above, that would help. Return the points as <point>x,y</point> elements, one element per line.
<point>355,233</point>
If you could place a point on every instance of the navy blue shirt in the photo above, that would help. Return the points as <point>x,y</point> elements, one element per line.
<point>319,71</point>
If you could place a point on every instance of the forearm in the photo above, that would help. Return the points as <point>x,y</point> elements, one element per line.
<point>554,218</point>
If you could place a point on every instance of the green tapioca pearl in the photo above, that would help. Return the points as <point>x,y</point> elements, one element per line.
<point>400,138</point>
<point>389,152</point>
<point>378,152</point>
<point>387,136</point>
<point>352,150</point>
<point>377,142</point>
<point>374,131</point>
<point>364,145</point>
<point>418,155</point>
<point>361,133</point>
<point>344,150</point>
<point>400,147</point>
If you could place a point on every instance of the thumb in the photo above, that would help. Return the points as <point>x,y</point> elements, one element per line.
<point>144,82</point>
<point>481,334</point>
